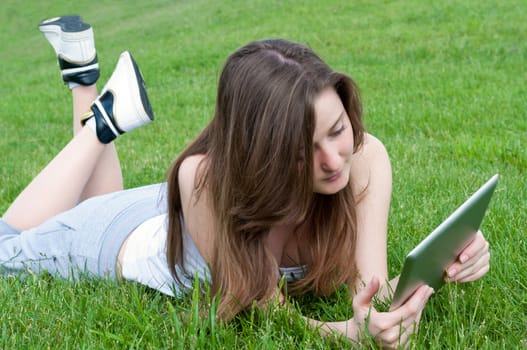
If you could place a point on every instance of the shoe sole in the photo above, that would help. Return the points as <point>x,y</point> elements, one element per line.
<point>67,24</point>
<point>67,28</point>
<point>145,103</point>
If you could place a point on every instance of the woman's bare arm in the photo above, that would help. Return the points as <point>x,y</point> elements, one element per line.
<point>372,185</point>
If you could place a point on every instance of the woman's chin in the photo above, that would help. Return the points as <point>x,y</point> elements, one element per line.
<point>329,188</point>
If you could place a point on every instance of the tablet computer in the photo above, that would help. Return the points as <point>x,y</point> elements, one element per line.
<point>427,262</point>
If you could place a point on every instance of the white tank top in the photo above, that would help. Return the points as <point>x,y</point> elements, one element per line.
<point>144,259</point>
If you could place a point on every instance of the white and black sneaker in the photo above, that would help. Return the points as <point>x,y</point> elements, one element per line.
<point>73,42</point>
<point>123,104</point>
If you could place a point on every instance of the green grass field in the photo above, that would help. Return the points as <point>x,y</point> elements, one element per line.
<point>443,85</point>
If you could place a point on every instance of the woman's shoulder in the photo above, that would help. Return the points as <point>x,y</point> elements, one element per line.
<point>370,159</point>
<point>371,147</point>
<point>189,167</point>
<point>188,174</point>
<point>196,207</point>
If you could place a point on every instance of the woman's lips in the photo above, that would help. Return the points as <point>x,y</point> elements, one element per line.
<point>333,178</point>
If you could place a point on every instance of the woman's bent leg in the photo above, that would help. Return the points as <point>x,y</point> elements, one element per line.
<point>59,186</point>
<point>106,176</point>
<point>123,106</point>
<point>88,164</point>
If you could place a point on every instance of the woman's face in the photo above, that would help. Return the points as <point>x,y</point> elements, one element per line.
<point>332,144</point>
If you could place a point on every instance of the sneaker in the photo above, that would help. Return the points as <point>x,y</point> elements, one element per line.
<point>123,104</point>
<point>73,42</point>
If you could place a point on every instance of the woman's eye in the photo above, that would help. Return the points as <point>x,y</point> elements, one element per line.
<point>338,131</point>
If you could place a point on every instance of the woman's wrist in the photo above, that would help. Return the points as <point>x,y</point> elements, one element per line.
<point>348,328</point>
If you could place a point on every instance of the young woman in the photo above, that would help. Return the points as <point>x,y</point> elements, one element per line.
<point>283,182</point>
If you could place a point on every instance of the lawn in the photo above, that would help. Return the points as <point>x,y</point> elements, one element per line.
<point>443,85</point>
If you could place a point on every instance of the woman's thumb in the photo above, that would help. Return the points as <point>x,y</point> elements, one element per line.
<point>366,294</point>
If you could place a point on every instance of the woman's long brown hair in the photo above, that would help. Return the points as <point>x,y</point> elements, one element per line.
<point>259,173</point>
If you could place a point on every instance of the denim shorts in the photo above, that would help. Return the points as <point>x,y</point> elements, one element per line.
<point>84,239</point>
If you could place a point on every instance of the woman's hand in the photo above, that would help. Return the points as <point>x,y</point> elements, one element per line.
<point>391,329</point>
<point>473,262</point>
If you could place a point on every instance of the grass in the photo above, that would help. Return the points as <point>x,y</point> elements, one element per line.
<point>443,85</point>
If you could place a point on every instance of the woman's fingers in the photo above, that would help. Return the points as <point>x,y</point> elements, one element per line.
<point>365,295</point>
<point>398,337</point>
<point>393,329</point>
<point>478,243</point>
<point>415,304</point>
<point>472,263</point>
<point>362,308</point>
<point>474,272</point>
<point>458,271</point>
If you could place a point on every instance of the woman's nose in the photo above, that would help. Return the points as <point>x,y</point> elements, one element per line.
<point>329,159</point>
